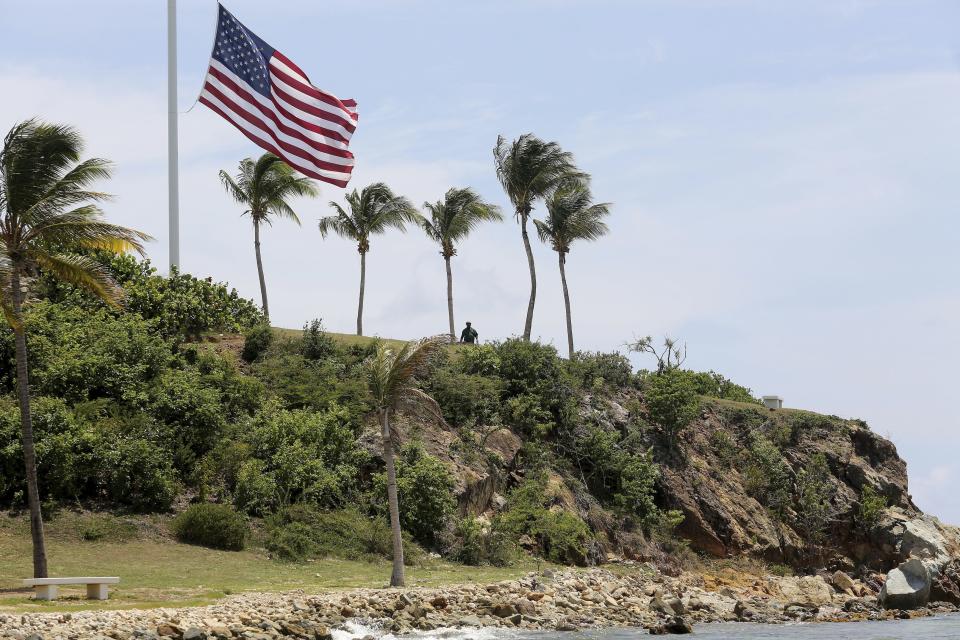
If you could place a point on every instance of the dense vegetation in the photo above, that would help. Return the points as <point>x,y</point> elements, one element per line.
<point>147,409</point>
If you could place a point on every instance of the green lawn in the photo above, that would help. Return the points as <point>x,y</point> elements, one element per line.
<point>156,571</point>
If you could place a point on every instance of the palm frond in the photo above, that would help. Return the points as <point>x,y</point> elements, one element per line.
<point>82,271</point>
<point>530,169</point>
<point>392,375</point>
<point>572,215</point>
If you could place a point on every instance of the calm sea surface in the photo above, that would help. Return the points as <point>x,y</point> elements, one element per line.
<point>939,628</point>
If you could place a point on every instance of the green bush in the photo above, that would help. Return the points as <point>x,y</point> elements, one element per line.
<point>560,536</point>
<point>725,448</point>
<point>815,490</point>
<point>672,401</point>
<point>81,459</point>
<point>316,344</point>
<point>425,492</point>
<point>609,369</point>
<point>466,400</point>
<point>303,456</point>
<point>181,305</point>
<point>212,525</point>
<point>710,383</point>
<point>256,341</point>
<point>871,508</point>
<point>479,360</point>
<point>767,477</point>
<point>300,532</point>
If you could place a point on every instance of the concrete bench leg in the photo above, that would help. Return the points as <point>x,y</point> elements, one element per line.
<point>45,592</point>
<point>97,591</point>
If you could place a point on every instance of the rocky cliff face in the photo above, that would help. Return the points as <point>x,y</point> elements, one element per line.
<point>706,475</point>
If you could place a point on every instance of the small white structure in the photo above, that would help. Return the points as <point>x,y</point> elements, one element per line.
<point>773,402</point>
<point>46,588</point>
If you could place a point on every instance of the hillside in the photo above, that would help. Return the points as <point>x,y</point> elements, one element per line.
<point>187,397</point>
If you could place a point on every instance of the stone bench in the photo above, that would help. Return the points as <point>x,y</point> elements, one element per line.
<point>46,588</point>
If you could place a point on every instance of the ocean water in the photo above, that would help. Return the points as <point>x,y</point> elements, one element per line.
<point>937,628</point>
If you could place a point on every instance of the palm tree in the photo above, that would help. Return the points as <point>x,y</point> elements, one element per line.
<point>47,216</point>
<point>530,169</point>
<point>451,220</point>
<point>372,211</point>
<point>571,215</point>
<point>264,186</point>
<point>392,378</point>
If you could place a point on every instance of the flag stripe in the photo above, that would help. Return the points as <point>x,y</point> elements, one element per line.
<point>282,72</point>
<point>336,136</point>
<point>317,140</point>
<point>264,139</point>
<point>280,91</point>
<point>288,143</point>
<point>348,103</point>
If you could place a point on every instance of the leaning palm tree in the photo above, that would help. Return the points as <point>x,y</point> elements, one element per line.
<point>451,220</point>
<point>48,217</point>
<point>265,187</point>
<point>529,170</point>
<point>392,379</point>
<point>571,215</point>
<point>371,211</point>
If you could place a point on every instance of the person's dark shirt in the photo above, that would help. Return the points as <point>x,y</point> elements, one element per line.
<point>469,335</point>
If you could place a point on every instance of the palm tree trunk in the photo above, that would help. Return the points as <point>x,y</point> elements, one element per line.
<point>363,282</point>
<point>26,426</point>
<point>566,302</point>
<point>263,282</point>
<point>453,335</point>
<point>397,577</point>
<point>528,325</point>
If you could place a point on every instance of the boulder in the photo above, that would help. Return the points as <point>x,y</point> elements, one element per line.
<point>842,582</point>
<point>673,625</point>
<point>907,586</point>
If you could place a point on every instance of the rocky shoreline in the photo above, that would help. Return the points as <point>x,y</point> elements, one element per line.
<point>564,600</point>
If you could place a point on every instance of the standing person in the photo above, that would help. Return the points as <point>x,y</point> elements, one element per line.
<point>469,335</point>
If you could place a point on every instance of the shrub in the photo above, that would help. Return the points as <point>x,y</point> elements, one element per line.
<point>299,532</point>
<point>256,341</point>
<point>767,477</point>
<point>672,401</point>
<point>710,383</point>
<point>724,447</point>
<point>425,491</point>
<point>815,490</point>
<point>609,369</point>
<point>181,305</point>
<point>479,360</point>
<point>560,536</point>
<point>871,509</point>
<point>465,399</point>
<point>212,525</point>
<point>638,479</point>
<point>316,344</point>
<point>304,456</point>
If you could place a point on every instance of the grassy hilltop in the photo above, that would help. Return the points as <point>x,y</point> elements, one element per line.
<point>186,419</point>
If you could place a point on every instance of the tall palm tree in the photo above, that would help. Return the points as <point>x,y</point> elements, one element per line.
<point>371,212</point>
<point>571,215</point>
<point>451,220</point>
<point>529,170</point>
<point>265,187</point>
<point>46,215</point>
<point>392,379</point>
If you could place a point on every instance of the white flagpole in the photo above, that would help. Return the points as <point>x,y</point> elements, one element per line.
<point>173,166</point>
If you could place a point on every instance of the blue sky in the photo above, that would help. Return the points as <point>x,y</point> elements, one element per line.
<point>786,176</point>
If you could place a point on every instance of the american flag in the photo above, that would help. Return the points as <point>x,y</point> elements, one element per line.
<point>268,98</point>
